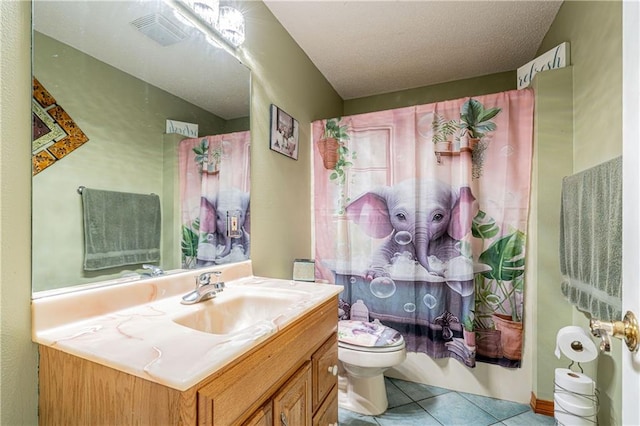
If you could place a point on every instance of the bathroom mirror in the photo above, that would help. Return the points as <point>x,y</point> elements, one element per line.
<point>118,71</point>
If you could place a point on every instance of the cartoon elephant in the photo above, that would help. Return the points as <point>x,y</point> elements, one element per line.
<point>421,217</point>
<point>216,210</point>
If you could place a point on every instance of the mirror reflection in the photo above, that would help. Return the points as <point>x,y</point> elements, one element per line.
<point>132,103</point>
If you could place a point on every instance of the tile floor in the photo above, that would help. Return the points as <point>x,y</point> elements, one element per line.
<point>417,404</point>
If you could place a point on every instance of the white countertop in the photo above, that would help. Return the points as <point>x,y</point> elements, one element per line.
<point>130,326</point>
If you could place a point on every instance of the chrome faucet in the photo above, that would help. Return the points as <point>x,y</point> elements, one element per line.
<point>205,289</point>
<point>155,271</point>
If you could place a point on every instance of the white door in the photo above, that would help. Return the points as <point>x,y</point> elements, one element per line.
<point>631,202</point>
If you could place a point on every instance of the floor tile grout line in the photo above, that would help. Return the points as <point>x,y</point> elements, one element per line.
<point>461,394</point>
<point>413,401</point>
<point>397,387</point>
<point>375,418</point>
<point>497,420</point>
<point>421,399</point>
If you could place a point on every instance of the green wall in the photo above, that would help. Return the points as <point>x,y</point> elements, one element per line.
<point>594,30</point>
<point>18,356</point>
<point>476,86</point>
<point>552,160</point>
<point>281,187</point>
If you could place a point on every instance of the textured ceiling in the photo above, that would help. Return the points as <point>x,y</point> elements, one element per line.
<point>366,48</point>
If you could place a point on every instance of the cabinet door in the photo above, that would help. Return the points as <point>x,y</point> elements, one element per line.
<point>262,417</point>
<point>327,414</point>
<point>292,403</point>
<point>325,370</point>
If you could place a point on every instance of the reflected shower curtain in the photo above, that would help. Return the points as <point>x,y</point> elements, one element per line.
<point>214,196</point>
<point>421,213</point>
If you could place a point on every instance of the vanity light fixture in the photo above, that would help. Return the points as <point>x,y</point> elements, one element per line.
<point>222,25</point>
<point>208,10</point>
<point>231,25</point>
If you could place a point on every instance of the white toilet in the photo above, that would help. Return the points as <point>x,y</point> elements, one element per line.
<point>365,351</point>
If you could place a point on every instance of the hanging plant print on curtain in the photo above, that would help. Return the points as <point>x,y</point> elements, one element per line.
<point>426,225</point>
<point>214,193</point>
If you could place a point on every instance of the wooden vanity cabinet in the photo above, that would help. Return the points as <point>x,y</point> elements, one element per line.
<point>287,379</point>
<point>309,397</point>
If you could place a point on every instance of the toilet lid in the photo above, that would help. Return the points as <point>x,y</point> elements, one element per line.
<point>368,336</point>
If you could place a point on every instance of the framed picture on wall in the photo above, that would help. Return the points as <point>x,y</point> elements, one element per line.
<point>284,133</point>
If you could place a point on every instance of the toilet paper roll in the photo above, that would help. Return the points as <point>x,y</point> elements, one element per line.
<point>570,381</point>
<point>574,413</point>
<point>576,344</point>
<point>567,419</point>
<point>574,404</point>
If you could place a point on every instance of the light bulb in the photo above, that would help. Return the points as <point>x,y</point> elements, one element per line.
<point>207,10</point>
<point>231,25</point>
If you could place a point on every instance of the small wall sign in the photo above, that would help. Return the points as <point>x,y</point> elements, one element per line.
<point>182,128</point>
<point>558,57</point>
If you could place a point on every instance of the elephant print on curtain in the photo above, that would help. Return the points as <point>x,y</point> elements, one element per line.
<point>422,216</point>
<point>423,219</point>
<point>214,193</point>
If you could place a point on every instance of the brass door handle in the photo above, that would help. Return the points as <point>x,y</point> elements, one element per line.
<point>627,330</point>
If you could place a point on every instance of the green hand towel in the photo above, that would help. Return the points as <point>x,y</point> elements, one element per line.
<point>591,240</point>
<point>120,228</point>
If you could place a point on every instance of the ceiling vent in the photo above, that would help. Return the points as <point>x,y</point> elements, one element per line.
<point>159,29</point>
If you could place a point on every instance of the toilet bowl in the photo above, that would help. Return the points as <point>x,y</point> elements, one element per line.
<point>365,351</point>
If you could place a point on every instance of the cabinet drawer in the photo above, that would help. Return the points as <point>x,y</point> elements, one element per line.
<point>327,414</point>
<point>325,369</point>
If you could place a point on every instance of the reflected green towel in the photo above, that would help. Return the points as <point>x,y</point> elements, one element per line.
<point>591,240</point>
<point>120,228</point>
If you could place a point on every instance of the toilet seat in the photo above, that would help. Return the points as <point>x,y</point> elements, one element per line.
<point>371,337</point>
<point>380,349</point>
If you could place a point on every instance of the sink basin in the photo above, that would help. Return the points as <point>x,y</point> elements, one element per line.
<point>233,311</point>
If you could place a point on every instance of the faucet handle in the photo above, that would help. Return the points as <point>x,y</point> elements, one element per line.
<point>218,284</point>
<point>203,279</point>
<point>155,270</point>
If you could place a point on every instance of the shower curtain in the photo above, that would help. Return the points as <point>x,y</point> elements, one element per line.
<point>214,198</point>
<point>421,213</point>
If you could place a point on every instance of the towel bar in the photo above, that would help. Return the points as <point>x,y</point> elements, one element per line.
<point>81,188</point>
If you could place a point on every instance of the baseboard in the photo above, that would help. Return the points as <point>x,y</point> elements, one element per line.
<point>540,406</point>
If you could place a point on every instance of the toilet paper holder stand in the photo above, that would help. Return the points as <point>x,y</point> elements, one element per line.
<point>626,330</point>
